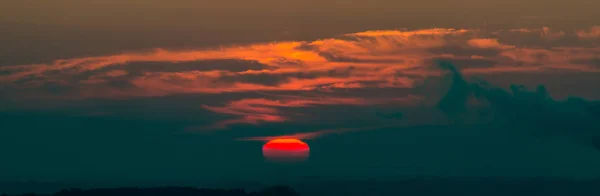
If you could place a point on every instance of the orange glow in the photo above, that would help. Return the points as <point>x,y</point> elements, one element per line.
<point>286,150</point>
<point>488,43</point>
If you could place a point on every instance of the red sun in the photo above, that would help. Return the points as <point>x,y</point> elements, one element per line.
<point>286,150</point>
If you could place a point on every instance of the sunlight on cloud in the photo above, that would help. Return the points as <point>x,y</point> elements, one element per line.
<point>258,110</point>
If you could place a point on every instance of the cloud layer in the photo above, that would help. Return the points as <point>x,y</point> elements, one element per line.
<point>335,67</point>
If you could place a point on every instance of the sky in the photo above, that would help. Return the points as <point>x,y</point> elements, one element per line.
<point>131,91</point>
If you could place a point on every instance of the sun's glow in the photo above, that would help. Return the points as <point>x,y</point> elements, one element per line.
<point>286,150</point>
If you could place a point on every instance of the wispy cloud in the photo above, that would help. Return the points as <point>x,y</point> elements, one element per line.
<point>544,32</point>
<point>305,135</point>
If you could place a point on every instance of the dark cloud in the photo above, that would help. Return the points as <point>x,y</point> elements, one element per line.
<point>265,78</point>
<point>369,59</point>
<point>465,63</point>
<point>333,57</point>
<point>231,65</point>
<point>522,109</point>
<point>60,82</point>
<point>307,47</point>
<point>454,102</point>
<point>588,61</point>
<point>56,87</point>
<point>274,79</point>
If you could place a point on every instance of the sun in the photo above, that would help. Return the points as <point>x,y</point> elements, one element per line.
<point>286,144</point>
<point>286,150</point>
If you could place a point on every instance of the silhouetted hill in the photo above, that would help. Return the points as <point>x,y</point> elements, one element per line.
<point>171,191</point>
<point>403,187</point>
<point>453,186</point>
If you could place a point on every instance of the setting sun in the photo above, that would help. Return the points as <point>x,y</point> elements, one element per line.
<point>286,150</point>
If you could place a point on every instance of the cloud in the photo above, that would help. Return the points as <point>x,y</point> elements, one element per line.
<point>544,32</point>
<point>370,59</point>
<point>587,61</point>
<point>591,33</point>
<point>115,73</point>
<point>523,30</point>
<point>260,110</point>
<point>488,43</point>
<point>551,35</point>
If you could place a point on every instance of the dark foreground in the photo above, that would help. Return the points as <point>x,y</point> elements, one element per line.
<point>171,191</point>
<point>425,187</point>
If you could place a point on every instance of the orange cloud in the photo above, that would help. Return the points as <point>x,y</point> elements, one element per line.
<point>256,110</point>
<point>488,43</point>
<point>304,135</point>
<point>409,33</point>
<point>550,34</point>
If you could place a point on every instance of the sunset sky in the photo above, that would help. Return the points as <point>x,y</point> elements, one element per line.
<point>131,91</point>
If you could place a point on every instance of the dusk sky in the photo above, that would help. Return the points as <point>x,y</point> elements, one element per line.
<point>128,91</point>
